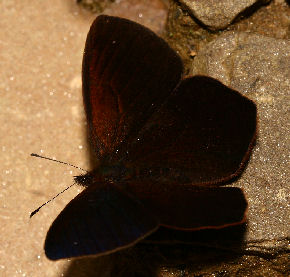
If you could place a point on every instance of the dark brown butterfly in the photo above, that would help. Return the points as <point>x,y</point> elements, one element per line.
<point>164,145</point>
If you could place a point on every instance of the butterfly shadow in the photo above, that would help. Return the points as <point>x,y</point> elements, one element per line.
<point>166,250</point>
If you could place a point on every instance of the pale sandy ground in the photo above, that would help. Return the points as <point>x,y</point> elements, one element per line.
<point>41,45</point>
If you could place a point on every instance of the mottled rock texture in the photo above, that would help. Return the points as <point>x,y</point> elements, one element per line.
<point>219,14</point>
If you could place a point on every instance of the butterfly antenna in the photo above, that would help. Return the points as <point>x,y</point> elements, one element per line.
<point>54,160</point>
<point>37,210</point>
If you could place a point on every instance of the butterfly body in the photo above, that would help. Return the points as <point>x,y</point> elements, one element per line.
<point>105,173</point>
<point>165,146</point>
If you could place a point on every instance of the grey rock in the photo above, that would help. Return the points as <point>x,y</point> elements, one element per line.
<point>258,67</point>
<point>218,14</point>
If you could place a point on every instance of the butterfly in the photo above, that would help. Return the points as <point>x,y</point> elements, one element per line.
<point>165,145</point>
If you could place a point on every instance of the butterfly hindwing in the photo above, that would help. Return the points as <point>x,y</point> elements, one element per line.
<point>100,220</point>
<point>188,207</point>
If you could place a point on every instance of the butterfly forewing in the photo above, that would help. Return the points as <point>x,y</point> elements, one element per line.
<point>128,72</point>
<point>201,135</point>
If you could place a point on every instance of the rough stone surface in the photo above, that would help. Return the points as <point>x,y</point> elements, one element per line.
<point>258,67</point>
<point>187,37</point>
<point>218,14</point>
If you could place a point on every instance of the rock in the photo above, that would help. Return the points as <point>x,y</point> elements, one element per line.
<point>258,67</point>
<point>217,15</point>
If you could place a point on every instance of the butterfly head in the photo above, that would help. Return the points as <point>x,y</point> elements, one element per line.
<point>104,173</point>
